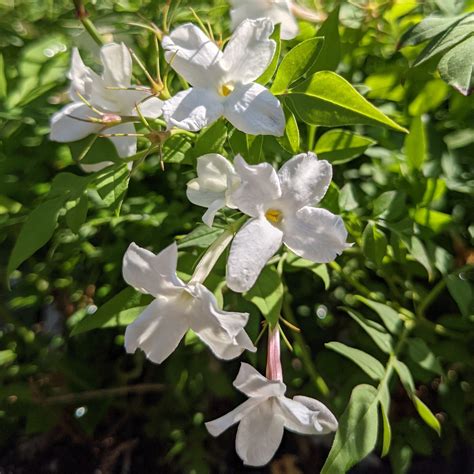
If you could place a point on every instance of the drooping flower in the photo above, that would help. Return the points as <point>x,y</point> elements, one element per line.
<point>278,11</point>
<point>280,205</point>
<point>215,182</point>
<point>264,416</point>
<point>177,308</point>
<point>98,101</point>
<point>223,82</point>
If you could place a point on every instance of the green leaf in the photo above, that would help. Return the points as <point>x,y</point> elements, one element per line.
<point>290,141</point>
<point>387,314</point>
<point>357,432</point>
<point>451,36</point>
<point>340,146</point>
<point>77,215</point>
<point>330,55</point>
<point>415,144</point>
<point>427,29</point>
<point>375,330</point>
<point>7,356</point>
<point>418,251</point>
<point>112,185</point>
<point>178,149</point>
<point>461,291</point>
<point>268,74</point>
<point>369,364</point>
<point>296,63</point>
<point>434,220</point>
<point>405,377</point>
<point>457,67</point>
<point>121,305</point>
<point>3,79</point>
<point>36,231</point>
<point>202,236</point>
<point>387,431</point>
<point>329,100</point>
<point>390,205</point>
<point>427,415</point>
<point>420,353</point>
<point>249,146</point>
<point>374,244</point>
<point>267,295</point>
<point>93,149</point>
<point>211,139</point>
<point>319,269</point>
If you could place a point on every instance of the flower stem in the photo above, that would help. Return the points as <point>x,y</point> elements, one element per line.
<point>83,16</point>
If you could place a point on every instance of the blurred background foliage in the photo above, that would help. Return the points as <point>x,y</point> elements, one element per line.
<point>80,404</point>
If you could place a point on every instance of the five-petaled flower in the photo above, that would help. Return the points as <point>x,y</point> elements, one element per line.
<point>177,308</point>
<point>223,82</point>
<point>278,11</point>
<point>280,205</point>
<point>263,417</point>
<point>101,101</point>
<point>213,187</point>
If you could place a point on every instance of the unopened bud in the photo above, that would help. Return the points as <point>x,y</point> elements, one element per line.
<point>111,119</point>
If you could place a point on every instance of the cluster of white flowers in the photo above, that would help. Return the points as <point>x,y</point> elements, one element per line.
<point>278,206</point>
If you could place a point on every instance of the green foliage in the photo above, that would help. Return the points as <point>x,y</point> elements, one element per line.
<point>406,283</point>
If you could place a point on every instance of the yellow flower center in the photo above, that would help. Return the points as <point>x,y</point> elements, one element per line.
<point>226,89</point>
<point>274,216</point>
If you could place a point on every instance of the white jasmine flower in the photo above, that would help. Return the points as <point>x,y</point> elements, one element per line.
<point>280,205</point>
<point>101,100</point>
<point>177,307</point>
<point>278,11</point>
<point>263,417</point>
<point>223,81</point>
<point>215,182</point>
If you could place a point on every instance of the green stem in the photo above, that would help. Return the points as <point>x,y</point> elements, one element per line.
<point>83,16</point>
<point>318,381</point>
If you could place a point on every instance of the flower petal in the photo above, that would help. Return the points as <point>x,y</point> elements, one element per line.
<point>193,109</point>
<point>117,63</point>
<point>71,123</point>
<point>157,331</point>
<point>253,109</point>
<point>254,384</point>
<point>82,77</point>
<point>304,179</point>
<point>259,434</point>
<point>150,107</point>
<point>277,11</point>
<point>255,243</point>
<point>306,415</point>
<point>220,330</point>
<point>192,55</point>
<point>259,185</point>
<point>249,51</point>
<point>211,182</point>
<point>125,145</point>
<point>150,273</point>
<point>315,234</point>
<point>219,425</point>
<point>212,210</point>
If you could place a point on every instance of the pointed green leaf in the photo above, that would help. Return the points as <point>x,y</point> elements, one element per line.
<point>329,100</point>
<point>415,144</point>
<point>357,432</point>
<point>387,432</point>
<point>267,295</point>
<point>330,55</point>
<point>290,141</point>
<point>296,63</point>
<point>112,185</point>
<point>127,304</point>
<point>211,139</point>
<point>388,315</point>
<point>427,415</point>
<point>421,354</point>
<point>36,231</point>
<point>375,330</point>
<point>341,146</point>
<point>374,243</point>
<point>369,364</point>
<point>77,215</point>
